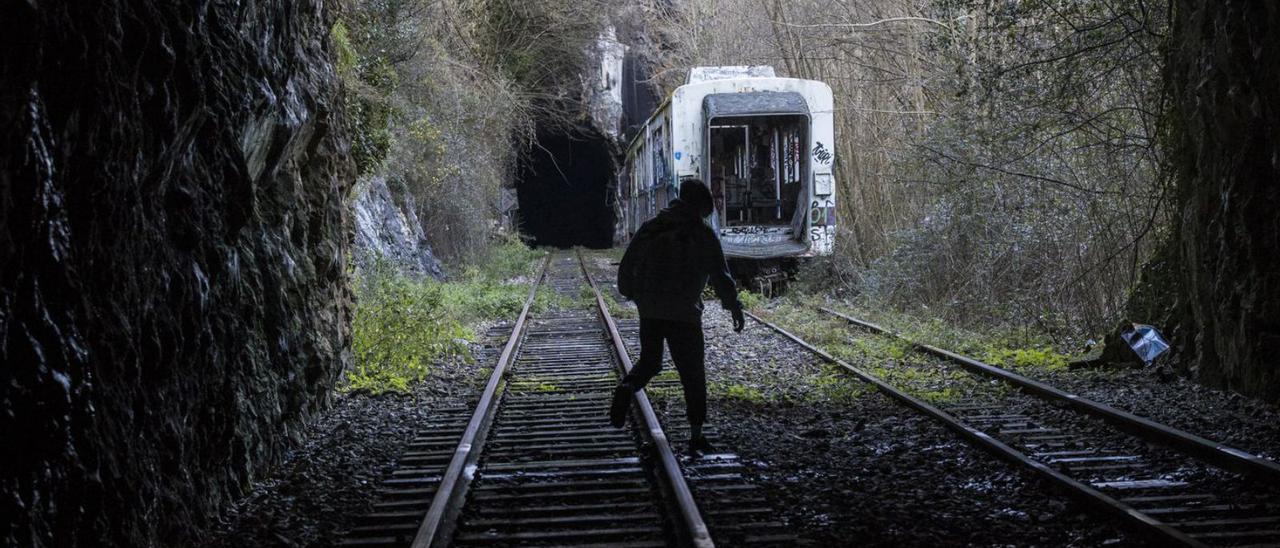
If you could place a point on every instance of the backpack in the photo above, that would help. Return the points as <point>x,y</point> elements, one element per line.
<point>661,261</point>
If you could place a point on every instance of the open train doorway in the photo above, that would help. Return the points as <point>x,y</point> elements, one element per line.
<point>563,186</point>
<point>757,168</point>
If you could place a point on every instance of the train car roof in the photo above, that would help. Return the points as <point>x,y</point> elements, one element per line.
<point>698,75</point>
<point>754,103</point>
<point>666,102</point>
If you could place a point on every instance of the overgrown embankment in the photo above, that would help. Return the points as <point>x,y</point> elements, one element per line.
<point>997,163</point>
<point>433,132</point>
<point>405,324</point>
<point>174,299</point>
<point>443,99</point>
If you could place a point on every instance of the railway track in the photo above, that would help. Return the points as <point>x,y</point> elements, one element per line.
<point>536,462</point>
<point>1173,487</point>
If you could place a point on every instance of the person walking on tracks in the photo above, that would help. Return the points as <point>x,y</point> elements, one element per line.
<point>664,270</point>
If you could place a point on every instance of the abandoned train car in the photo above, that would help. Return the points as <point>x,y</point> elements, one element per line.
<point>762,143</point>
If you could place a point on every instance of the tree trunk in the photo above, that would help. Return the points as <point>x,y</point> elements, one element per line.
<point>1223,76</point>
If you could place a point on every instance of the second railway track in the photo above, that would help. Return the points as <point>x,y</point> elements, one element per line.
<point>537,463</point>
<point>1188,491</point>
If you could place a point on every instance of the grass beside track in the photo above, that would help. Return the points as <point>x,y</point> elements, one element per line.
<point>1006,347</point>
<point>1011,349</point>
<point>892,360</point>
<point>404,325</point>
<point>1019,351</point>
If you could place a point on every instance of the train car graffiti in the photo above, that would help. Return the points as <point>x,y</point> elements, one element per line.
<point>821,154</point>
<point>745,132</point>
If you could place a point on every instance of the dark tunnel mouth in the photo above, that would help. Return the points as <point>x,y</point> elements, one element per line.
<point>562,184</point>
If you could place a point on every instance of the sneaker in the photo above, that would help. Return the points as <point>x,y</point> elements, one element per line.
<point>620,405</point>
<point>700,446</point>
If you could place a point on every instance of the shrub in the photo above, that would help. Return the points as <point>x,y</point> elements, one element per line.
<point>399,329</point>
<point>402,325</point>
<point>493,287</point>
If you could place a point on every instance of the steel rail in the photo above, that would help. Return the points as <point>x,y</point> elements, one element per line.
<point>694,530</point>
<point>437,526</point>
<point>1218,454</point>
<point>1149,526</point>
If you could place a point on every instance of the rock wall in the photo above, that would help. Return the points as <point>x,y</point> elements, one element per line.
<point>608,98</point>
<point>391,231</point>
<point>603,85</point>
<point>1225,147</point>
<point>173,239</point>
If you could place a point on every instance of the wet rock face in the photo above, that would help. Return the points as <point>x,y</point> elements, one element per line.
<point>1223,82</point>
<point>173,296</point>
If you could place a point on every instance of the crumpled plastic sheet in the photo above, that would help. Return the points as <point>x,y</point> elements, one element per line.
<point>1146,342</point>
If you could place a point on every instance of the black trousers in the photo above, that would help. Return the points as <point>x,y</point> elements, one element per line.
<point>684,339</point>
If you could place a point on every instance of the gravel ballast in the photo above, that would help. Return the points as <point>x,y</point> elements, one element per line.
<point>1171,399</point>
<point>842,464</point>
<point>860,469</point>
<point>330,480</point>
<point>846,466</point>
<point>1218,415</point>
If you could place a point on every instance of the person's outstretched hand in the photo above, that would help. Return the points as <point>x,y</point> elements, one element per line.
<point>739,321</point>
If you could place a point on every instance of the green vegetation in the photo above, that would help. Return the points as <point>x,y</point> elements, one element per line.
<point>548,299</point>
<point>660,393</point>
<point>402,325</point>
<point>928,381</point>
<point>369,82</point>
<point>585,296</point>
<point>882,348</point>
<point>617,309</point>
<point>742,392</point>
<point>533,386</point>
<point>1020,350</point>
<point>489,292</point>
<point>1030,358</point>
<point>669,374</point>
<point>889,359</point>
<point>837,385</point>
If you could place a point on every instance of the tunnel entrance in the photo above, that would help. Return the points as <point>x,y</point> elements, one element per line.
<point>563,187</point>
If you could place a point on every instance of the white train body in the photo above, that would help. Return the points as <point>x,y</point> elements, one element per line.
<point>764,145</point>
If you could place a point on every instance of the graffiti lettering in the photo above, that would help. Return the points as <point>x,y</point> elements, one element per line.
<point>751,239</point>
<point>821,214</point>
<point>821,239</point>
<point>821,154</point>
<point>752,229</point>
<point>755,235</point>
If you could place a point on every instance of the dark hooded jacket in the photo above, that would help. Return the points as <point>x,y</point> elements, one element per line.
<point>668,263</point>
